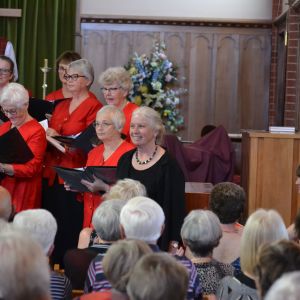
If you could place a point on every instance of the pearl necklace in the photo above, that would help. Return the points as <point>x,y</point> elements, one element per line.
<point>147,160</point>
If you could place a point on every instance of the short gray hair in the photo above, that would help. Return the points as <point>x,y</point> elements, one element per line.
<point>106,220</point>
<point>14,94</point>
<point>5,204</point>
<point>142,219</point>
<point>286,287</point>
<point>38,223</point>
<point>24,269</point>
<point>158,276</point>
<point>126,189</point>
<point>201,231</point>
<point>84,67</point>
<point>263,226</point>
<point>116,75</point>
<point>117,116</point>
<point>152,117</point>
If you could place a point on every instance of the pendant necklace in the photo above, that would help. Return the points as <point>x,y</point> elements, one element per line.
<point>140,162</point>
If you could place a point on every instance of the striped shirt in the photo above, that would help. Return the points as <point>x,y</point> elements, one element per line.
<point>60,286</point>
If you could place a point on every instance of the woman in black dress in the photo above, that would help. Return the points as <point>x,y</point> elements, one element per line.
<point>151,164</point>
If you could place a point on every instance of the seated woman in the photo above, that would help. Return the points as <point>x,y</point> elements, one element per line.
<point>273,261</point>
<point>124,189</point>
<point>263,226</point>
<point>227,201</point>
<point>23,181</point>
<point>117,264</point>
<point>109,124</point>
<point>201,232</point>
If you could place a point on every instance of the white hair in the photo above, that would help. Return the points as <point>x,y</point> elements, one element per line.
<point>40,224</point>
<point>142,219</point>
<point>117,116</point>
<point>106,220</point>
<point>24,269</point>
<point>14,94</point>
<point>287,287</point>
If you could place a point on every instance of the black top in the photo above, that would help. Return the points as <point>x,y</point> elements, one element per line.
<point>164,182</point>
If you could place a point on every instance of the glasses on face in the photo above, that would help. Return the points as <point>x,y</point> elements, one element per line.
<point>103,124</point>
<point>12,112</point>
<point>110,90</point>
<point>74,77</point>
<point>5,71</point>
<point>62,69</point>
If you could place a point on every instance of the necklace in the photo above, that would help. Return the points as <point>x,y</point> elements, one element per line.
<point>140,162</point>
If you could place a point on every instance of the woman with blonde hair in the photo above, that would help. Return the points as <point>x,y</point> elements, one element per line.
<point>115,85</point>
<point>263,226</point>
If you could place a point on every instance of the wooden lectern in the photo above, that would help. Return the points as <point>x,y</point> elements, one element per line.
<point>269,163</point>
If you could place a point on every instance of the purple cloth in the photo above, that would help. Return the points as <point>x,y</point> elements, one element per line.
<point>209,159</point>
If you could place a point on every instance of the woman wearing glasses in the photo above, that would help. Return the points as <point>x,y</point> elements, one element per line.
<point>70,117</point>
<point>116,84</point>
<point>23,181</point>
<point>109,124</point>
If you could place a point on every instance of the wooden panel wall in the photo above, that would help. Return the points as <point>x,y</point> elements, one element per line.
<point>226,70</point>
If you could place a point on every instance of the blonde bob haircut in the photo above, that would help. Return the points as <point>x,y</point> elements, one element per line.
<point>116,75</point>
<point>263,226</point>
<point>153,119</point>
<point>125,189</point>
<point>116,115</point>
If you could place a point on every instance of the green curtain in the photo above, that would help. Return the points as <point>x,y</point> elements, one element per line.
<point>45,30</point>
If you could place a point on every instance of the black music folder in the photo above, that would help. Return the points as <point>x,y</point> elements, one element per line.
<point>73,177</point>
<point>13,148</point>
<point>84,141</point>
<point>38,108</point>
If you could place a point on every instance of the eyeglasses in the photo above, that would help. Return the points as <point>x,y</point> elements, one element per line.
<point>62,69</point>
<point>110,90</point>
<point>102,124</point>
<point>12,112</point>
<point>74,77</point>
<point>5,71</point>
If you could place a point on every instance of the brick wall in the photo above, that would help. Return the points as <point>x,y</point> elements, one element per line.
<point>291,81</point>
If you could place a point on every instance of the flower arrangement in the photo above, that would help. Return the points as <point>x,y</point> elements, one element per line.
<point>152,78</point>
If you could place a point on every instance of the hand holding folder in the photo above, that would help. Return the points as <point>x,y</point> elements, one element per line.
<point>83,141</point>
<point>13,148</point>
<point>73,177</point>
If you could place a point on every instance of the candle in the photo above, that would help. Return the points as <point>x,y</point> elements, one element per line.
<point>45,63</point>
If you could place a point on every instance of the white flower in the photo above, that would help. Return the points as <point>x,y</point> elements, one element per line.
<point>168,77</point>
<point>156,85</point>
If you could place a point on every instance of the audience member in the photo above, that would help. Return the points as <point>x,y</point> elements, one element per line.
<point>124,189</point>
<point>143,219</point>
<point>42,227</point>
<point>22,180</point>
<point>6,208</point>
<point>201,232</point>
<point>106,221</point>
<point>117,264</point>
<point>158,276</point>
<point>24,270</point>
<point>227,201</point>
<point>115,85</point>
<point>273,261</point>
<point>263,226</point>
<point>286,287</point>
